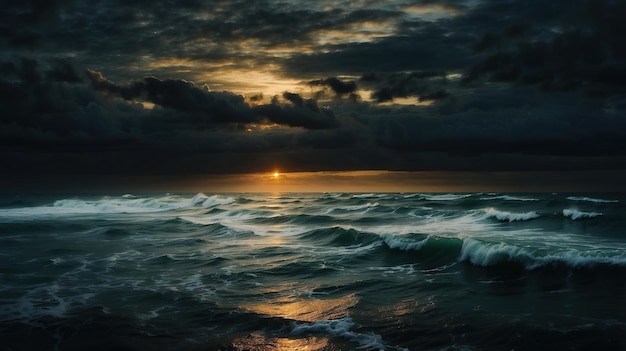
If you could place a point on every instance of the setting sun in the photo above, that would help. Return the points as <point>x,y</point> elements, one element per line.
<point>276,174</point>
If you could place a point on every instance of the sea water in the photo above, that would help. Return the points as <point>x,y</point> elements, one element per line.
<point>313,271</point>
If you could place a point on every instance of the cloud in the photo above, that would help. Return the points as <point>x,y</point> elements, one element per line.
<point>303,113</point>
<point>517,85</point>
<point>493,121</point>
<point>55,123</point>
<point>424,85</point>
<point>339,87</point>
<point>206,106</point>
<point>47,107</point>
<point>585,55</point>
<point>429,49</point>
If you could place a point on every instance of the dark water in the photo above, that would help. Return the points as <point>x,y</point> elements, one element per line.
<point>313,272</point>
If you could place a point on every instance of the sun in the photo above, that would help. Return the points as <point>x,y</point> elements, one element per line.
<point>276,174</point>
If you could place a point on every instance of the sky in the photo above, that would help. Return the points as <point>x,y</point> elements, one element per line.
<point>383,95</point>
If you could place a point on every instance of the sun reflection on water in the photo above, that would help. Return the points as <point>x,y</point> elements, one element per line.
<point>305,310</point>
<point>257,342</point>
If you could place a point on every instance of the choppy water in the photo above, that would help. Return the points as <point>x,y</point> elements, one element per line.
<point>313,272</point>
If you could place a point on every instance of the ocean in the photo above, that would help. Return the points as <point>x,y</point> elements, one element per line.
<point>313,271</point>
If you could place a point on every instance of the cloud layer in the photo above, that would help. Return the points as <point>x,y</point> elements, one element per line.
<point>161,88</point>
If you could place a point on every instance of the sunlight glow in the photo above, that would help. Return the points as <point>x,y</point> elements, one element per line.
<point>257,341</point>
<point>431,12</point>
<point>305,310</point>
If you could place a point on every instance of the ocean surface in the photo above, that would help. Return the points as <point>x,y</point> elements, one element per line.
<point>313,271</point>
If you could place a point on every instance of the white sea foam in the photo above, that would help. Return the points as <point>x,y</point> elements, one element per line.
<point>510,216</point>
<point>576,258</point>
<point>575,214</point>
<point>106,205</point>
<point>341,328</point>
<point>112,205</point>
<point>366,207</point>
<point>401,243</point>
<point>488,254</point>
<point>361,196</point>
<point>448,223</point>
<point>509,198</point>
<point>445,197</point>
<point>211,201</point>
<point>590,199</point>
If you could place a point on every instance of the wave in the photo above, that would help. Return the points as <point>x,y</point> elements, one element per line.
<point>591,199</point>
<point>490,254</point>
<point>211,201</point>
<point>403,242</point>
<point>296,219</point>
<point>352,208</point>
<point>365,196</point>
<point>510,216</point>
<point>487,254</point>
<point>575,214</point>
<point>338,236</point>
<point>509,198</point>
<point>106,205</point>
<point>341,328</point>
<point>446,197</point>
<point>113,205</point>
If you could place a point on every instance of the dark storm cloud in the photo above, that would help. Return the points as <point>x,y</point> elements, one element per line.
<point>194,30</point>
<point>48,105</point>
<point>492,121</point>
<point>338,87</point>
<point>424,85</point>
<point>206,106</point>
<point>431,48</point>
<point>517,85</point>
<point>589,56</point>
<point>56,124</point>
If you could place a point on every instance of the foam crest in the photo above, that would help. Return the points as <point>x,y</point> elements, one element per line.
<point>402,243</point>
<point>578,259</point>
<point>341,328</point>
<point>510,216</point>
<point>509,198</point>
<point>366,207</point>
<point>575,214</point>
<point>446,197</point>
<point>590,199</point>
<point>116,205</point>
<point>488,254</point>
<point>211,201</point>
<point>363,196</point>
<point>106,205</point>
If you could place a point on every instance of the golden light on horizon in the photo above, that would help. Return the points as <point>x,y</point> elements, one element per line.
<point>276,174</point>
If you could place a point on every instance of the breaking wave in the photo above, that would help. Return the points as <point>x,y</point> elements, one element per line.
<point>510,216</point>
<point>211,201</point>
<point>446,197</point>
<point>509,198</point>
<point>489,254</point>
<point>575,214</point>
<point>591,199</point>
<point>341,328</point>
